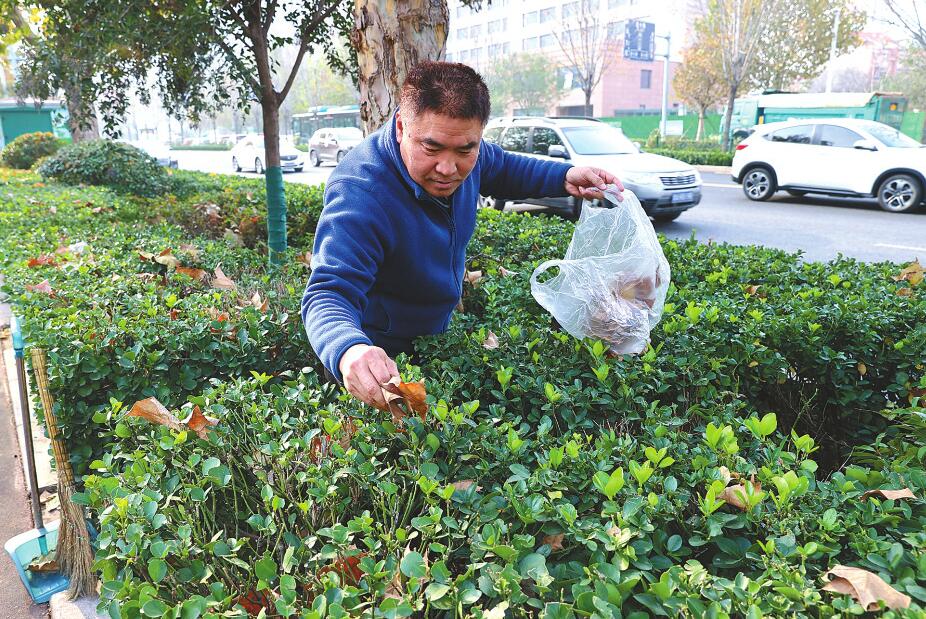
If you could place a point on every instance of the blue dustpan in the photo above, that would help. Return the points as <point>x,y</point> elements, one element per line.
<point>28,546</point>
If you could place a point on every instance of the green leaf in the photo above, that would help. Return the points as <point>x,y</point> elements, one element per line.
<point>154,608</point>
<point>157,569</point>
<point>413,566</point>
<point>266,568</point>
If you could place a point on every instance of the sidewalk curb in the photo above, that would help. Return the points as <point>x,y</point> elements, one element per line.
<point>81,608</point>
<point>714,169</point>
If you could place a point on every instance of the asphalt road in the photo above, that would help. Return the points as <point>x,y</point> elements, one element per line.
<point>821,228</point>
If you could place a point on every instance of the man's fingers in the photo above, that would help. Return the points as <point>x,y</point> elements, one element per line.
<point>380,369</point>
<point>369,389</point>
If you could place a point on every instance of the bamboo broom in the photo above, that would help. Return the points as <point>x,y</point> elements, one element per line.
<point>74,555</point>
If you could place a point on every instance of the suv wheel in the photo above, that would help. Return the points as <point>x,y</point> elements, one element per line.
<point>313,159</point>
<point>258,166</point>
<point>665,218</point>
<point>235,165</point>
<point>900,193</point>
<point>759,183</point>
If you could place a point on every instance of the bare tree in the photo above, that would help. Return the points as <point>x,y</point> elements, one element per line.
<point>587,48</point>
<point>737,28</point>
<point>911,16</point>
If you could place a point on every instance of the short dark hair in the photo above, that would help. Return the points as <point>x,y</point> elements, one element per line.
<point>447,88</point>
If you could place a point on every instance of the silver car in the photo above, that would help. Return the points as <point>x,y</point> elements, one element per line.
<point>666,187</point>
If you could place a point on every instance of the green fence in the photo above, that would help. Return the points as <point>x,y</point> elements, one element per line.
<point>638,127</point>
<point>913,125</point>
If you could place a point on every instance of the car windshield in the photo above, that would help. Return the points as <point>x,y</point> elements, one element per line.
<point>890,137</point>
<point>599,140</point>
<point>347,133</point>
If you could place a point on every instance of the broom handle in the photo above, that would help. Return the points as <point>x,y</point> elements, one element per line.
<point>57,443</point>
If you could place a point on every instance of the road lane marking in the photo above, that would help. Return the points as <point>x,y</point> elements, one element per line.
<point>719,185</point>
<point>910,247</point>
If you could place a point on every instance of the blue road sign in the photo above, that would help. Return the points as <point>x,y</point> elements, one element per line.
<point>639,40</point>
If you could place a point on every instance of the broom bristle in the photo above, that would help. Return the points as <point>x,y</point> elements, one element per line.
<point>75,555</point>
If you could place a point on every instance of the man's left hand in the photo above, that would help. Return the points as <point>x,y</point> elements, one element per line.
<point>588,183</point>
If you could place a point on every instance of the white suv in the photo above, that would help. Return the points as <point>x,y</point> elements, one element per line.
<point>834,156</point>
<point>666,187</point>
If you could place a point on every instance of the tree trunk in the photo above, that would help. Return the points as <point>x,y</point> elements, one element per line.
<point>82,122</point>
<point>389,39</point>
<point>728,117</point>
<point>700,133</point>
<point>588,103</point>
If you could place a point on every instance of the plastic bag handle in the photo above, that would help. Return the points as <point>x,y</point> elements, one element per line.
<point>544,267</point>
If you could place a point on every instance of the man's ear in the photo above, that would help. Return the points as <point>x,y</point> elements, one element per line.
<point>399,126</point>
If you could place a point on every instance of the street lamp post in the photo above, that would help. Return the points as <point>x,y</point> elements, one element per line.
<point>665,84</point>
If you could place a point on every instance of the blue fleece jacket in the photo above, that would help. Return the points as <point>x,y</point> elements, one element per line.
<point>389,259</point>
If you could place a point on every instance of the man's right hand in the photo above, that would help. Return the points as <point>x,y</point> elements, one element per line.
<point>364,370</point>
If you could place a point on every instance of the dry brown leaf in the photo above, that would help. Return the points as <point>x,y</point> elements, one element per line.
<point>190,250</point>
<point>912,273</point>
<point>44,288</point>
<point>889,495</point>
<point>464,484</point>
<point>53,210</point>
<point>145,256</point>
<point>735,495</point>
<point>403,399</point>
<point>904,292</point>
<point>916,392</point>
<point>726,475</point>
<point>752,290</point>
<point>614,531</point>
<point>200,423</point>
<point>865,588</point>
<point>221,281</point>
<point>555,542</point>
<point>197,274</point>
<point>473,277</point>
<point>506,273</point>
<point>258,304</point>
<point>45,564</point>
<point>44,260</point>
<point>305,258</point>
<point>491,341</point>
<point>862,369</point>
<point>459,306</point>
<point>167,258</point>
<point>155,412</point>
<point>217,315</point>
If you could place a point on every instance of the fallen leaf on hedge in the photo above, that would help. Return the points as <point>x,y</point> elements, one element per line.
<point>53,210</point>
<point>44,564</point>
<point>473,277</point>
<point>505,272</point>
<point>197,274</point>
<point>254,602</point>
<point>865,588</point>
<point>147,277</point>
<point>44,288</point>
<point>221,281</point>
<point>96,210</point>
<point>192,250</point>
<point>459,306</point>
<point>889,495</point>
<point>174,313</point>
<point>555,542</point>
<point>614,531</point>
<point>305,258</point>
<point>145,256</point>
<point>491,341</point>
<point>726,475</point>
<point>862,369</point>
<point>155,412</point>
<point>752,290</point>
<point>498,612</point>
<point>217,315</point>
<point>904,292</point>
<point>916,392</point>
<point>167,258</point>
<point>44,260</point>
<point>912,273</point>
<point>200,423</point>
<point>258,304</point>
<point>735,495</point>
<point>348,568</point>
<point>403,399</point>
<point>464,484</point>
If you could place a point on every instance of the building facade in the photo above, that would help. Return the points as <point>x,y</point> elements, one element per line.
<point>480,38</point>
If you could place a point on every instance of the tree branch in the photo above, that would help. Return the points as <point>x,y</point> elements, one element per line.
<point>234,58</point>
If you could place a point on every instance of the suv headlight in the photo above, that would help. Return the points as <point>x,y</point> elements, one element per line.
<point>641,178</point>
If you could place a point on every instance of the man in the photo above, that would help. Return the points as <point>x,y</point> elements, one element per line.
<point>390,247</point>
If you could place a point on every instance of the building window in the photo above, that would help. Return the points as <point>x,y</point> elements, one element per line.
<point>475,32</point>
<point>449,57</point>
<point>499,25</point>
<point>462,33</point>
<point>464,55</point>
<point>570,9</point>
<point>547,40</point>
<point>529,44</point>
<point>646,78</point>
<point>529,19</point>
<point>547,15</point>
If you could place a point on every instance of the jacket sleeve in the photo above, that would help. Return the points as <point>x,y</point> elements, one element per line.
<point>512,176</point>
<point>351,240</point>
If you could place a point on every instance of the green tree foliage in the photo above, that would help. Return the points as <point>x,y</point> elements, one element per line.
<point>796,41</point>
<point>910,79</point>
<point>525,81</point>
<point>698,82</point>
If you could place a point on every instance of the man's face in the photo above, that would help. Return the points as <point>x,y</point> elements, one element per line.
<point>438,151</point>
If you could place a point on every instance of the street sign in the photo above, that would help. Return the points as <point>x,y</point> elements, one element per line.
<point>639,40</point>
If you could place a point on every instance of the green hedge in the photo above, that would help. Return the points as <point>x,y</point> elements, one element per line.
<point>696,157</point>
<point>25,150</point>
<point>200,146</point>
<point>595,480</point>
<point>119,166</point>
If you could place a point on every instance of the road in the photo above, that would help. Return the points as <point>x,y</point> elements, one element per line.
<point>821,228</point>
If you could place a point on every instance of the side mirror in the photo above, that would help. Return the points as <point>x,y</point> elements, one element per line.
<point>557,150</point>
<point>865,145</point>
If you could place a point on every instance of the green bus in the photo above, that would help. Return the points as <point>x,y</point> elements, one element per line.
<point>885,107</point>
<point>324,117</point>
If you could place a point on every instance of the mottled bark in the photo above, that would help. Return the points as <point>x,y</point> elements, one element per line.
<point>390,37</point>
<point>82,122</point>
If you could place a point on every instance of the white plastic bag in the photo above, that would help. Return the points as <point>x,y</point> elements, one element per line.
<point>613,280</point>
